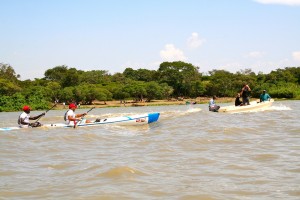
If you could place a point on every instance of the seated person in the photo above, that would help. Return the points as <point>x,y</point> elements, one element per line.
<point>24,118</point>
<point>71,118</point>
<point>264,96</point>
<point>212,105</point>
<point>238,102</point>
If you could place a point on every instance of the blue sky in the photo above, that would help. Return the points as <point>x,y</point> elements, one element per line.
<point>111,35</point>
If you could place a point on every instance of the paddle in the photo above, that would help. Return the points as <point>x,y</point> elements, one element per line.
<point>75,124</point>
<point>43,115</point>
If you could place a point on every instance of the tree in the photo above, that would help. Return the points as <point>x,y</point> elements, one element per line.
<point>12,103</point>
<point>295,71</point>
<point>71,78</point>
<point>121,94</point>
<point>281,75</point>
<point>178,75</point>
<point>67,95</point>
<point>87,93</point>
<point>95,77</point>
<point>56,74</point>
<point>8,88</point>
<point>198,88</point>
<point>8,73</point>
<point>140,74</point>
<point>221,83</point>
<point>136,89</point>
<point>53,90</point>
<point>153,91</point>
<point>167,90</point>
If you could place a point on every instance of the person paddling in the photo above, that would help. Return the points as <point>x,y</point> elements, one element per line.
<point>71,118</point>
<point>24,118</point>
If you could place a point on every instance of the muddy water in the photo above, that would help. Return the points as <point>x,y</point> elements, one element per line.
<point>189,153</point>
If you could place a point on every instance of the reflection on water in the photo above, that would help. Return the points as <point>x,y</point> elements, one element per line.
<point>189,153</point>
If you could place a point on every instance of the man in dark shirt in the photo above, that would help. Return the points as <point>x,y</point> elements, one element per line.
<point>245,94</point>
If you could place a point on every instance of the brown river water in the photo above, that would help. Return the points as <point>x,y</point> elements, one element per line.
<point>189,154</point>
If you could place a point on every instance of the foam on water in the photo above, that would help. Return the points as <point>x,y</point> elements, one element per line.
<point>279,107</point>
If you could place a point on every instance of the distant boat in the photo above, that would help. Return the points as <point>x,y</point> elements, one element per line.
<point>188,103</point>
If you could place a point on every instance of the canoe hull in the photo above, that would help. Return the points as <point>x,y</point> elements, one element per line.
<point>134,120</point>
<point>254,106</point>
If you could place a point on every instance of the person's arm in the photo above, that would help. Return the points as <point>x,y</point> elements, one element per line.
<point>81,115</point>
<point>249,89</point>
<point>36,117</point>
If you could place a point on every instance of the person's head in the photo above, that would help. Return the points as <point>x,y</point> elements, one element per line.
<point>214,97</point>
<point>26,109</point>
<point>238,95</point>
<point>264,91</point>
<point>72,106</point>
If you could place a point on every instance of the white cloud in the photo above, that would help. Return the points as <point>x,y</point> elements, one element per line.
<point>171,53</point>
<point>296,56</point>
<point>282,2</point>
<point>255,54</point>
<point>194,41</point>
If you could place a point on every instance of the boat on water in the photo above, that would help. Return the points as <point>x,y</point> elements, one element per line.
<point>254,106</point>
<point>133,120</point>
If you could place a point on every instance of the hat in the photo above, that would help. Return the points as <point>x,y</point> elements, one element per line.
<point>72,105</point>
<point>264,90</point>
<point>26,108</point>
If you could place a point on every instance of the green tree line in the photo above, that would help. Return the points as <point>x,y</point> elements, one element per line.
<point>171,80</point>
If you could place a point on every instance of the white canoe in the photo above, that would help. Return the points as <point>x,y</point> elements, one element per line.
<point>126,120</point>
<point>254,106</point>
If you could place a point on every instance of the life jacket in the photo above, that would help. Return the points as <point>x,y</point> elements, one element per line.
<point>19,119</point>
<point>65,116</point>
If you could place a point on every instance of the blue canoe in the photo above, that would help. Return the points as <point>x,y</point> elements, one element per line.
<point>125,120</point>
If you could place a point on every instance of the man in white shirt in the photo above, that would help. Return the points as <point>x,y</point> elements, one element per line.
<point>71,118</point>
<point>24,118</point>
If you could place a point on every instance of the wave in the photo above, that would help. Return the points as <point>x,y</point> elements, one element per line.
<point>121,172</point>
<point>279,107</point>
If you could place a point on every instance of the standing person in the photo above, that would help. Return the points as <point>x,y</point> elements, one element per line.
<point>24,118</point>
<point>238,102</point>
<point>245,94</point>
<point>212,105</point>
<point>71,118</point>
<point>264,96</point>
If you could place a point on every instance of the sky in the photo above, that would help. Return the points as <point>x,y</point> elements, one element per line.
<point>112,35</point>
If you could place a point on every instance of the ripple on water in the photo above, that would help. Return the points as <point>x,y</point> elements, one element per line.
<point>264,157</point>
<point>296,170</point>
<point>199,197</point>
<point>121,172</point>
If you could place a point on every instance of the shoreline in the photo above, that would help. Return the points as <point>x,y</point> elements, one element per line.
<point>107,104</point>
